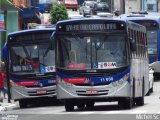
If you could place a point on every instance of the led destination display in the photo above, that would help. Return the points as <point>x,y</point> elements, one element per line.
<point>91,27</point>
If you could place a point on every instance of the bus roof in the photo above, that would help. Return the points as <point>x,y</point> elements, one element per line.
<point>129,23</point>
<point>92,19</point>
<point>138,17</point>
<point>30,30</point>
<point>4,51</point>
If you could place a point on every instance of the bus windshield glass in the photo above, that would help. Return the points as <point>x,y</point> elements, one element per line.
<point>152,35</point>
<point>35,58</point>
<point>100,51</point>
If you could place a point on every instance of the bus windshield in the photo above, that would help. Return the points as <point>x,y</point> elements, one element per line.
<point>92,51</point>
<point>152,37</point>
<point>35,58</point>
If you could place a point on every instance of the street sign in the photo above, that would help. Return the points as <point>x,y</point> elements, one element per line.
<point>2,23</point>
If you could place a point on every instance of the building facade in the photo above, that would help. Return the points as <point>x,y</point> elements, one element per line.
<point>149,5</point>
<point>9,17</point>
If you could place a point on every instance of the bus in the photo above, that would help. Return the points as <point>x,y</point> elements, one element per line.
<point>30,66</point>
<point>100,60</point>
<point>153,40</point>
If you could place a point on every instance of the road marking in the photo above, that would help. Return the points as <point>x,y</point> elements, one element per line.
<point>88,112</point>
<point>109,112</point>
<point>158,112</point>
<point>83,113</point>
<point>138,112</point>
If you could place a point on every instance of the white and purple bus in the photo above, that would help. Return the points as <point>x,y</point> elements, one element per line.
<point>101,60</point>
<point>30,63</point>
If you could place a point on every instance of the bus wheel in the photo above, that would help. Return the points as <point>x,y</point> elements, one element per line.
<point>81,106</point>
<point>69,105</point>
<point>140,100</point>
<point>121,103</point>
<point>22,103</point>
<point>90,105</point>
<point>128,103</point>
<point>151,90</point>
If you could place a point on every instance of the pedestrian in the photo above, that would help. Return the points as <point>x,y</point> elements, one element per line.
<point>116,13</point>
<point>2,88</point>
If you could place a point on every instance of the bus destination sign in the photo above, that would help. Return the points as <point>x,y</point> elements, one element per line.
<point>91,27</point>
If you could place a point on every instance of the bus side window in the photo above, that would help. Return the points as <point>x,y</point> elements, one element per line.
<point>133,42</point>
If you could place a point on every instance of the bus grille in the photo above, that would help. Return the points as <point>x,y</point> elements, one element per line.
<point>34,93</point>
<point>87,84</point>
<point>98,93</point>
<point>37,86</point>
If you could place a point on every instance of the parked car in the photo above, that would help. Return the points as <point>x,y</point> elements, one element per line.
<point>86,8</point>
<point>70,4</point>
<point>100,7</point>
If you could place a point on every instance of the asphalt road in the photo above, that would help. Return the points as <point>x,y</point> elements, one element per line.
<point>104,110</point>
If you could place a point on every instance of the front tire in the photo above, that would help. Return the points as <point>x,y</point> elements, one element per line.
<point>151,90</point>
<point>81,106</point>
<point>22,103</point>
<point>140,100</point>
<point>69,105</point>
<point>127,103</point>
<point>90,105</point>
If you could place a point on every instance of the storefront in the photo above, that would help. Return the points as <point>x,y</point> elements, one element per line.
<point>28,15</point>
<point>8,21</point>
<point>150,5</point>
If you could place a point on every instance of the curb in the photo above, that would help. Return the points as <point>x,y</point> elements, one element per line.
<point>8,107</point>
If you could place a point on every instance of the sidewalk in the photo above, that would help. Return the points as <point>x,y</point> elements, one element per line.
<point>5,106</point>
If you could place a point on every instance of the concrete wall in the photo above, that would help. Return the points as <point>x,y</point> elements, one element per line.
<point>132,5</point>
<point>12,21</point>
<point>119,5</point>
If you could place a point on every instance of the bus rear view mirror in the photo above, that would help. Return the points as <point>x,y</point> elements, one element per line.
<point>132,44</point>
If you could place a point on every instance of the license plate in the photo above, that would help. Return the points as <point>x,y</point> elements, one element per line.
<point>91,91</point>
<point>41,91</point>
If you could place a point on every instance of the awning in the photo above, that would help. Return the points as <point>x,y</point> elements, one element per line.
<point>29,13</point>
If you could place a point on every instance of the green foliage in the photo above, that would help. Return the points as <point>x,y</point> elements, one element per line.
<point>4,2</point>
<point>58,12</point>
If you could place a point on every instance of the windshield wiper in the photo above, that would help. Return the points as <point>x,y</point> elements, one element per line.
<point>42,64</point>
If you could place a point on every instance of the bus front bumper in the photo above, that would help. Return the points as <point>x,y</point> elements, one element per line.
<point>93,92</point>
<point>20,92</point>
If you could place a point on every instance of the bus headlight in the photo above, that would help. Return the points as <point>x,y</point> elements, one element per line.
<point>123,80</point>
<point>114,84</point>
<point>61,81</point>
<point>66,83</point>
<point>58,80</point>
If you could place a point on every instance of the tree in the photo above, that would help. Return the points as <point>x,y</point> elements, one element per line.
<point>58,12</point>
